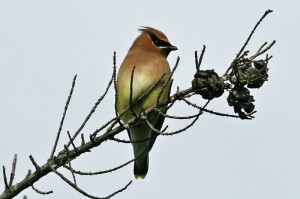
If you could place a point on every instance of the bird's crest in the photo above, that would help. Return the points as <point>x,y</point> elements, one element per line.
<point>154,33</point>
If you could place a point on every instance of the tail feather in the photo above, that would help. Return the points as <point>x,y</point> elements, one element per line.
<point>141,166</point>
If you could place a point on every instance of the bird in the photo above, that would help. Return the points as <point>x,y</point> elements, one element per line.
<point>144,67</point>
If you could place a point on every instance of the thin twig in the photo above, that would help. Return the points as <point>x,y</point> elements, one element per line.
<point>28,173</point>
<point>262,51</point>
<point>92,110</point>
<point>124,141</point>
<point>94,134</point>
<point>176,117</point>
<point>37,167</point>
<point>252,32</point>
<point>85,193</point>
<point>214,112</point>
<point>74,147</point>
<point>115,87</point>
<point>180,130</point>
<point>113,122</point>
<point>105,171</point>
<point>169,79</point>
<point>261,47</point>
<point>82,140</point>
<point>120,190</point>
<point>233,63</point>
<point>98,172</point>
<point>131,93</point>
<point>198,63</point>
<point>134,103</point>
<point>144,95</point>
<point>41,192</point>
<point>112,126</point>
<point>5,178</point>
<point>163,87</point>
<point>65,157</point>
<point>63,117</point>
<point>129,141</point>
<point>13,171</point>
<point>73,174</point>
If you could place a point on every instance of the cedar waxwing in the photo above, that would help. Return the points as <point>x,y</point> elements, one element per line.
<point>148,55</point>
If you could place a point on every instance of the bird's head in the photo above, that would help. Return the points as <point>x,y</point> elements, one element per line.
<point>153,40</point>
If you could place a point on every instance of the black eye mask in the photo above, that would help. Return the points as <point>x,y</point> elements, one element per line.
<point>158,42</point>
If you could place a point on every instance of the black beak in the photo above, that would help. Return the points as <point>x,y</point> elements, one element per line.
<point>172,48</point>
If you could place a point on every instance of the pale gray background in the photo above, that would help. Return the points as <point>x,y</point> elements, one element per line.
<point>43,44</point>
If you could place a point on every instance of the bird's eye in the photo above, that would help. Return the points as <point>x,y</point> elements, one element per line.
<point>158,42</point>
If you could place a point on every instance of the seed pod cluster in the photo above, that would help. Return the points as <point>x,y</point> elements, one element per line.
<point>245,75</point>
<point>253,74</point>
<point>208,84</point>
<point>239,97</point>
<point>250,74</point>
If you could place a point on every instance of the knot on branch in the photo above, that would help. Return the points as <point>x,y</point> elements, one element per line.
<point>208,84</point>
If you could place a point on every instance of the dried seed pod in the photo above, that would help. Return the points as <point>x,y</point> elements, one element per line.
<point>260,75</point>
<point>260,64</point>
<point>250,73</point>
<point>239,97</point>
<point>208,84</point>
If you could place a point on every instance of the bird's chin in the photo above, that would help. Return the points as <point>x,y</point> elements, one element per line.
<point>167,49</point>
<point>166,52</point>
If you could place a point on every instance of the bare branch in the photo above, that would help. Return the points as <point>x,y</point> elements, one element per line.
<point>113,122</point>
<point>178,131</point>
<point>129,141</point>
<point>82,140</point>
<point>176,117</point>
<point>67,156</point>
<point>247,41</point>
<point>262,51</point>
<point>64,156</point>
<point>63,117</point>
<point>37,167</point>
<point>5,178</point>
<point>168,80</point>
<point>99,172</point>
<point>116,89</point>
<point>41,192</point>
<point>109,170</point>
<point>124,141</point>
<point>111,128</point>
<point>135,102</point>
<point>85,193</point>
<point>120,190</point>
<point>71,141</point>
<point>252,32</point>
<point>131,93</point>
<point>13,171</point>
<point>73,174</point>
<point>198,63</point>
<point>92,110</point>
<point>214,112</point>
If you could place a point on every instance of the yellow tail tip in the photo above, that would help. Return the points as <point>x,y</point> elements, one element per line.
<point>139,177</point>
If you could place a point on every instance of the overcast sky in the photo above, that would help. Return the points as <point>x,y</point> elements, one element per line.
<point>43,44</point>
